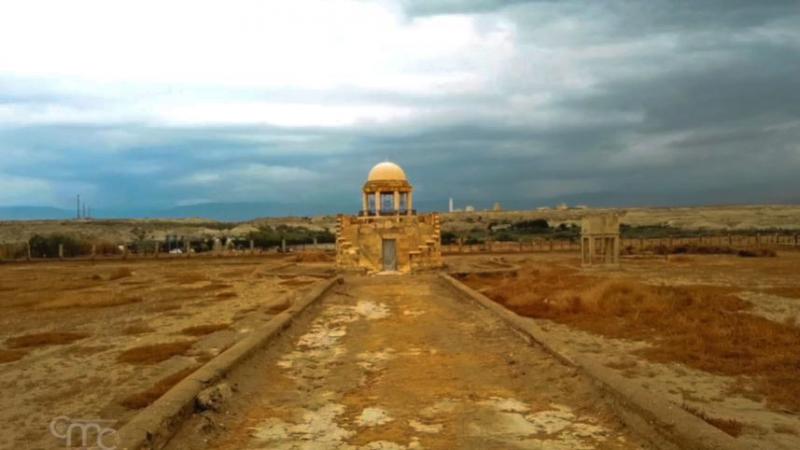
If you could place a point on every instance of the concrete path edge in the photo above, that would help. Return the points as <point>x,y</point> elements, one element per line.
<point>153,427</point>
<point>664,424</point>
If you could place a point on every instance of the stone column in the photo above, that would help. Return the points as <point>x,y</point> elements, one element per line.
<point>397,202</point>
<point>378,203</point>
<point>410,202</point>
<point>365,202</point>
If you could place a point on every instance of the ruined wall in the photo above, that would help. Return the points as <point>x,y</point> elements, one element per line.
<point>359,242</point>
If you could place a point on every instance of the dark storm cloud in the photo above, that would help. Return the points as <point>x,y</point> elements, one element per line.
<point>654,103</point>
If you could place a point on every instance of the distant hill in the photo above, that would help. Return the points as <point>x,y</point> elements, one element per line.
<point>34,213</point>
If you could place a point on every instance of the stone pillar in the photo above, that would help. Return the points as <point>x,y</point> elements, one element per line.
<point>397,202</point>
<point>60,251</point>
<point>378,203</point>
<point>365,202</point>
<point>252,246</point>
<point>410,202</point>
<point>283,245</point>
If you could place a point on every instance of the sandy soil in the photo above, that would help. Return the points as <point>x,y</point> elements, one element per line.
<point>108,308</point>
<point>755,280</point>
<point>400,362</point>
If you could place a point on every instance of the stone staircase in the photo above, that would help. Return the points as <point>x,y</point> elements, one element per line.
<point>428,254</point>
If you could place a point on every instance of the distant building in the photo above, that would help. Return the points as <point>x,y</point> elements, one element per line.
<point>469,208</point>
<point>562,207</point>
<point>388,235</point>
<point>497,207</point>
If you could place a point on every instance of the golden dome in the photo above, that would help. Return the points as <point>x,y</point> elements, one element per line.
<point>386,171</point>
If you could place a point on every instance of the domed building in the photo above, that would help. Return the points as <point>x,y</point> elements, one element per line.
<point>387,235</point>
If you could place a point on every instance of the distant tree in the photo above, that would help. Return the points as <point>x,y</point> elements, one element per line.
<point>532,226</point>
<point>449,238</point>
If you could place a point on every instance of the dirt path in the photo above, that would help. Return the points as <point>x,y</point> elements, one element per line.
<point>401,363</point>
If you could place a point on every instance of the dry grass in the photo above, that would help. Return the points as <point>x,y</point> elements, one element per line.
<point>139,328</point>
<point>106,300</point>
<point>226,295</point>
<point>155,353</point>
<point>120,273</point>
<point>313,257</point>
<point>44,339</point>
<point>188,278</point>
<point>785,291</point>
<point>295,282</point>
<point>729,426</point>
<point>202,330</point>
<point>700,326</point>
<point>7,356</point>
<point>144,398</point>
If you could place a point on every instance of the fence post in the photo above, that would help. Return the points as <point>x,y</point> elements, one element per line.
<point>315,243</point>
<point>60,251</point>
<point>283,245</point>
<point>252,247</point>
<point>187,247</point>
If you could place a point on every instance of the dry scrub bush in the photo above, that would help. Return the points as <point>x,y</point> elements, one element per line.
<point>704,327</point>
<point>44,339</point>
<point>143,399</point>
<point>154,354</point>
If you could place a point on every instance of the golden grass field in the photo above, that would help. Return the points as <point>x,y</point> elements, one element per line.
<point>721,315</point>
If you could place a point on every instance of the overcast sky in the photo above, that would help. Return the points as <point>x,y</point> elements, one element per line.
<point>156,104</point>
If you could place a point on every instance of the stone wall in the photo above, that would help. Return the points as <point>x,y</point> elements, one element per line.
<point>359,242</point>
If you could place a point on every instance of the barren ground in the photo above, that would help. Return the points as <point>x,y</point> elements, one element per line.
<point>102,340</point>
<point>391,362</point>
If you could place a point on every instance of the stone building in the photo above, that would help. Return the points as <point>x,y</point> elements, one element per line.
<point>600,240</point>
<point>388,235</point>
